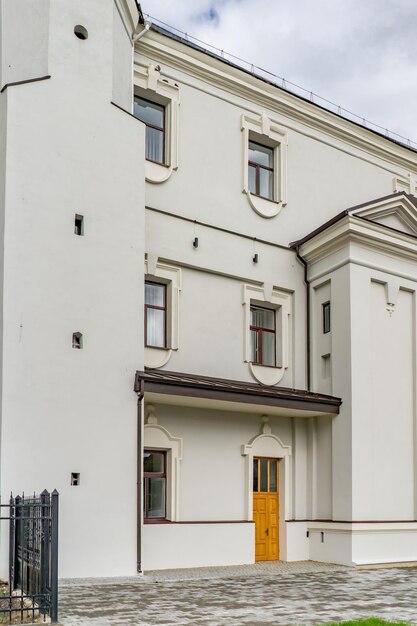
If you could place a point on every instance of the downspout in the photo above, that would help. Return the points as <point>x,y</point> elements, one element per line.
<point>139,476</point>
<point>308,333</point>
<point>146,27</point>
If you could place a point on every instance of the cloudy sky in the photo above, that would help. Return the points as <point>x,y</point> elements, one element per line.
<point>359,54</point>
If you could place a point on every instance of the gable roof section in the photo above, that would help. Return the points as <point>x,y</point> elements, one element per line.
<point>397,212</point>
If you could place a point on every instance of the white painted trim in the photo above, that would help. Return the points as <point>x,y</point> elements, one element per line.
<point>281,301</point>
<point>263,127</point>
<point>159,438</point>
<point>148,78</point>
<point>171,276</point>
<point>268,445</point>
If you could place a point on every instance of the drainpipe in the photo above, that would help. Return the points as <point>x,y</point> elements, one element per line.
<point>139,478</point>
<point>137,36</point>
<point>308,334</point>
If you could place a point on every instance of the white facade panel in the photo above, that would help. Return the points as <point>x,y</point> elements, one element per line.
<point>197,545</point>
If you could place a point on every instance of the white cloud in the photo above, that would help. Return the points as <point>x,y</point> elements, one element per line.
<point>360,54</point>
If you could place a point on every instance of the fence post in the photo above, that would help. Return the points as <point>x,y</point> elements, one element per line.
<point>45,537</point>
<point>18,566</point>
<point>54,556</point>
<point>12,522</point>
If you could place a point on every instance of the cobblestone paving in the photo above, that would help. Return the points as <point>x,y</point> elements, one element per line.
<point>259,595</point>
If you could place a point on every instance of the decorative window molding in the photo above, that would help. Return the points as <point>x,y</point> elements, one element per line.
<point>157,437</point>
<point>409,184</point>
<point>170,276</point>
<point>269,446</point>
<point>264,131</point>
<point>281,302</point>
<point>151,85</point>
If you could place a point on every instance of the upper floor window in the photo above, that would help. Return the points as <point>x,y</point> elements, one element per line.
<point>326,317</point>
<point>153,116</point>
<point>261,170</point>
<point>155,315</point>
<point>262,336</point>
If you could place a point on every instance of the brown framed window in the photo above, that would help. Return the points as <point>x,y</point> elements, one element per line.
<point>326,317</point>
<point>154,485</point>
<point>153,116</point>
<point>265,475</point>
<point>263,336</point>
<point>155,315</point>
<point>261,170</point>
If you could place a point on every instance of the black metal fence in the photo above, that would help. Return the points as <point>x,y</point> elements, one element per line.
<point>33,559</point>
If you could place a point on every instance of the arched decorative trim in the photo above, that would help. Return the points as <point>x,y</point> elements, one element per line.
<point>157,437</point>
<point>266,444</point>
<point>270,446</point>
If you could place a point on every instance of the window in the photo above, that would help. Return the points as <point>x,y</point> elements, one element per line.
<point>267,317</point>
<point>261,170</point>
<point>264,164</point>
<point>155,315</point>
<point>154,485</point>
<point>265,474</point>
<point>157,104</point>
<point>326,317</point>
<point>263,336</point>
<point>153,116</point>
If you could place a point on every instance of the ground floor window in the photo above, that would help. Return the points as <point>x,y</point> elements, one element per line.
<point>154,487</point>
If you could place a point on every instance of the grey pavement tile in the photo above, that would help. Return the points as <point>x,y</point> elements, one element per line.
<point>279,595</point>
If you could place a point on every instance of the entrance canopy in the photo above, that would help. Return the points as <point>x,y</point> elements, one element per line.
<point>219,393</point>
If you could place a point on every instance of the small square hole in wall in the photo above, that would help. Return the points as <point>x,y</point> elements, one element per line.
<point>79,224</point>
<point>325,366</point>
<point>77,341</point>
<point>75,479</point>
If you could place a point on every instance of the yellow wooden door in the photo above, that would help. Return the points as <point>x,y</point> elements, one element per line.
<point>266,509</point>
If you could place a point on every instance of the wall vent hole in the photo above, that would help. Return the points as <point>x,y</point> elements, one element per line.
<point>81,32</point>
<point>79,224</point>
<point>75,479</point>
<point>77,341</point>
<point>322,537</point>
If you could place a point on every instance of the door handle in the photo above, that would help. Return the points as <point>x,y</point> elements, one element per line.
<point>267,532</point>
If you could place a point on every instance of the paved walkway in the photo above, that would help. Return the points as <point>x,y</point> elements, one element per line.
<point>257,595</point>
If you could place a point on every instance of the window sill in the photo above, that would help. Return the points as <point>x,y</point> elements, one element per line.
<point>266,374</point>
<point>157,521</point>
<point>263,206</point>
<point>157,357</point>
<point>157,172</point>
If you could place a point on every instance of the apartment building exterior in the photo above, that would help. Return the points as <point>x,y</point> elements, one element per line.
<point>208,304</point>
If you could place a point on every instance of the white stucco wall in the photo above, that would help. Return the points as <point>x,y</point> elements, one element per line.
<point>64,410</point>
<point>24,40</point>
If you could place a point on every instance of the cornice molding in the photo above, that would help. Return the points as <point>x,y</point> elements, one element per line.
<point>353,229</point>
<point>227,77</point>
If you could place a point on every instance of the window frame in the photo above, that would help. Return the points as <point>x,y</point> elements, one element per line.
<point>268,133</point>
<point>257,460</point>
<point>146,477</point>
<point>257,167</point>
<point>159,308</point>
<point>158,128</point>
<point>326,307</point>
<point>151,84</point>
<point>280,300</point>
<point>260,330</point>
